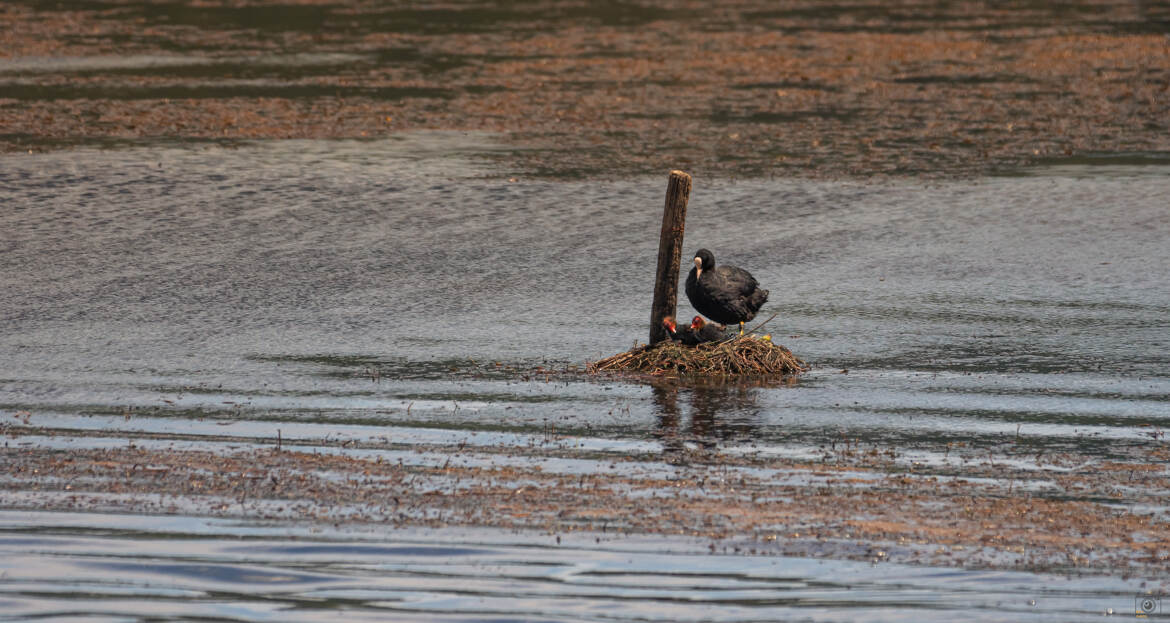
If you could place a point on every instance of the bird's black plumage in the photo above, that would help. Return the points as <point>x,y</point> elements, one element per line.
<point>725,294</point>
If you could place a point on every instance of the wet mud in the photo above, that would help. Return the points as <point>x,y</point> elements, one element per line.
<point>1008,506</point>
<point>735,89</point>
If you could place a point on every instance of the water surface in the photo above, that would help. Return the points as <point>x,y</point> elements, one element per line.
<point>104,567</point>
<point>369,297</point>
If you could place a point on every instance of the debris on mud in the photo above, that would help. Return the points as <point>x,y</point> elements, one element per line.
<point>813,89</point>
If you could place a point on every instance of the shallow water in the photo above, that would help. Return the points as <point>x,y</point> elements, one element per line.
<point>349,292</point>
<point>107,566</point>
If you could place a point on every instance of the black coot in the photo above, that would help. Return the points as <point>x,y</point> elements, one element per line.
<point>725,294</point>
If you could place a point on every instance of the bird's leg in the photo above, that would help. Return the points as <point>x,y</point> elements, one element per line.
<point>741,328</point>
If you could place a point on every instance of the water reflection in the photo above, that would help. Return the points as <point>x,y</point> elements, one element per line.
<point>719,410</point>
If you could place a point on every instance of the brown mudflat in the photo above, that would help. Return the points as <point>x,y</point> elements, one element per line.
<point>849,503</point>
<point>733,89</point>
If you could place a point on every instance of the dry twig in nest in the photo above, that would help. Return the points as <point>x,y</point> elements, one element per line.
<point>743,355</point>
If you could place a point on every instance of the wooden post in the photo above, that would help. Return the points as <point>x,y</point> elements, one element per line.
<point>674,217</point>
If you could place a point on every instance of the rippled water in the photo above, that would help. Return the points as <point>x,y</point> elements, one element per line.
<point>354,290</point>
<point>104,566</point>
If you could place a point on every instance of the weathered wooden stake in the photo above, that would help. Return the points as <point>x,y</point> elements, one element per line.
<point>674,217</point>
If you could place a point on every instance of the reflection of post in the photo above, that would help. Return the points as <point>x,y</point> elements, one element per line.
<point>674,216</point>
<point>718,411</point>
<point>665,394</point>
<point>706,403</point>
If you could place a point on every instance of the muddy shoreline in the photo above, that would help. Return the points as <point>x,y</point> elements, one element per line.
<point>1067,513</point>
<point>743,90</point>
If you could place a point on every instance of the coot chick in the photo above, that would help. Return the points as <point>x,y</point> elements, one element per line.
<point>697,333</point>
<point>707,331</point>
<point>725,294</point>
<point>686,335</point>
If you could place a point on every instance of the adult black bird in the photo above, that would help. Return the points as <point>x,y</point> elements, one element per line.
<point>725,294</point>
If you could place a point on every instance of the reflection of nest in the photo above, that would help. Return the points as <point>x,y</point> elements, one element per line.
<point>743,355</point>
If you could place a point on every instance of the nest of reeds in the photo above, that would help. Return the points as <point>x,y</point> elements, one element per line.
<point>744,355</point>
